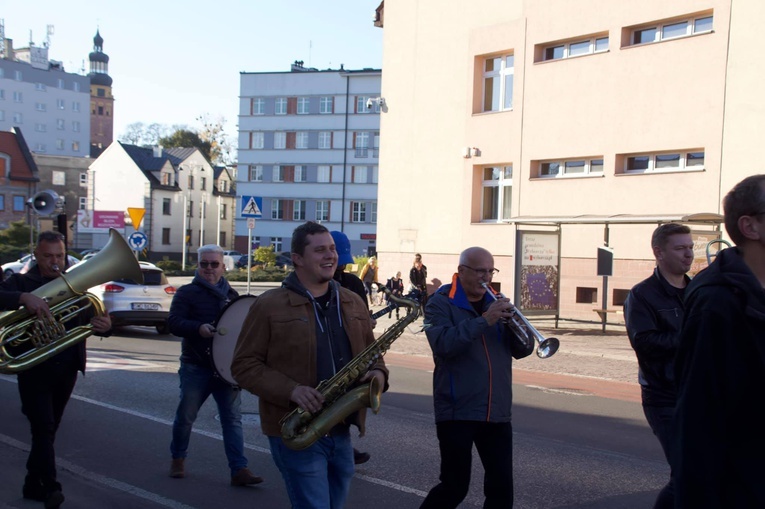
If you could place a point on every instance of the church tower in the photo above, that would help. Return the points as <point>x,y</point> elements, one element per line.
<point>101,99</point>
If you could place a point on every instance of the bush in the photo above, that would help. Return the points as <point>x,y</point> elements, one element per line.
<point>169,265</point>
<point>260,273</point>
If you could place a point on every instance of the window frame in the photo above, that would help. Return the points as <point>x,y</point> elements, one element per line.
<point>652,158</point>
<point>322,212</point>
<point>320,170</point>
<point>588,163</point>
<point>324,102</point>
<point>358,212</point>
<point>659,27</point>
<point>280,140</point>
<point>303,105</point>
<point>503,74</point>
<point>592,47</point>
<point>501,185</point>
<point>280,106</point>
<point>257,170</point>
<point>257,106</point>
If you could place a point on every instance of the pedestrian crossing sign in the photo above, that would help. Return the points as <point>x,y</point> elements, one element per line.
<point>252,206</point>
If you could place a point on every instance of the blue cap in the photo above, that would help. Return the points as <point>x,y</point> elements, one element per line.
<point>343,248</point>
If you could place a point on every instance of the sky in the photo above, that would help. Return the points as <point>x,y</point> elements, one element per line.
<point>173,62</point>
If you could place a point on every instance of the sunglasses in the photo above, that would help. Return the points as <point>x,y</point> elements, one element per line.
<point>205,264</point>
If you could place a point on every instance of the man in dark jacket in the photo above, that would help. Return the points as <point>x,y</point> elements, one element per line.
<point>472,383</point>
<point>653,313</point>
<point>194,309</point>
<point>718,446</point>
<point>46,387</point>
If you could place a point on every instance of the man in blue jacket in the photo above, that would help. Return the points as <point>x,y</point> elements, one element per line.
<point>653,313</point>
<point>472,382</point>
<point>194,309</point>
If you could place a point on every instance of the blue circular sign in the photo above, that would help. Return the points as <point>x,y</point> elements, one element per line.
<point>137,241</point>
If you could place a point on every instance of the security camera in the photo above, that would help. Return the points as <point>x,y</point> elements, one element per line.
<point>370,103</point>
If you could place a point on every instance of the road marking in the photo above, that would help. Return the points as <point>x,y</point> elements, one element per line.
<point>103,362</point>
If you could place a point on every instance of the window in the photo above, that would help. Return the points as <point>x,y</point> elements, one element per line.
<point>277,243</point>
<point>577,48</point>
<point>663,162</point>
<point>376,145</point>
<point>373,212</point>
<point>359,175</point>
<point>167,179</point>
<point>75,106</point>
<point>326,105</point>
<point>298,210</point>
<point>76,86</point>
<point>76,126</point>
<point>257,106</point>
<point>60,124</point>
<point>2,202</point>
<point>301,140</point>
<point>190,209</point>
<point>279,173</point>
<point>100,92</point>
<point>40,107</point>
<point>40,128</point>
<point>358,212</point>
<point>325,139</point>
<point>75,146</point>
<point>586,295</point>
<point>40,147</point>
<point>101,110</point>
<point>190,182</point>
<point>277,209</point>
<point>361,104</point>
<point>18,118</point>
<point>497,193</point>
<point>375,172</point>
<point>60,83</point>
<point>280,106</point>
<point>2,92</point>
<point>222,239</point>
<point>83,203</point>
<point>324,174</point>
<point>663,31</point>
<point>302,105</point>
<point>18,203</point>
<point>18,97</point>
<point>280,140</point>
<point>322,210</point>
<point>166,206</point>
<point>83,179</point>
<point>58,177</point>
<point>223,186</point>
<point>498,83</point>
<point>256,173</point>
<point>571,168</point>
<point>203,184</point>
<point>300,174</point>
<point>17,75</point>
<point>223,211</point>
<point>165,236</point>
<point>2,114</point>
<point>256,140</point>
<point>60,144</point>
<point>60,104</point>
<point>361,143</point>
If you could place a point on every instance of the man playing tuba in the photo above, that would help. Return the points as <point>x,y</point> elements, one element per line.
<point>45,388</point>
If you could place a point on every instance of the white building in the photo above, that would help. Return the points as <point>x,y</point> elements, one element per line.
<point>308,147</point>
<point>165,182</point>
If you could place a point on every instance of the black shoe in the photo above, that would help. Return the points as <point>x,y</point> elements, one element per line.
<point>34,491</point>
<point>54,499</point>
<point>360,457</point>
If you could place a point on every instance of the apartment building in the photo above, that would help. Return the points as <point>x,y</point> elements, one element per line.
<point>545,130</point>
<point>308,150</point>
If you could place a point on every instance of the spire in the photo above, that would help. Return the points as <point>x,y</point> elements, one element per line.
<point>99,62</point>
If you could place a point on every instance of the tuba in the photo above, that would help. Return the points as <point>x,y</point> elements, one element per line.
<point>26,341</point>
<point>342,396</point>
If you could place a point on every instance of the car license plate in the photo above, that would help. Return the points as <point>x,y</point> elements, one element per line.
<point>142,306</point>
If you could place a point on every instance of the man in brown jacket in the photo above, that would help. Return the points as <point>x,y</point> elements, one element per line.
<point>293,338</point>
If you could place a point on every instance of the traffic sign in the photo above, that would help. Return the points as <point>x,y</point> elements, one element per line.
<point>252,206</point>
<point>250,223</point>
<point>136,216</point>
<point>137,241</point>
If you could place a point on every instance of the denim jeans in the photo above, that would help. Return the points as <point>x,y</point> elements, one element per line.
<point>197,383</point>
<point>318,477</point>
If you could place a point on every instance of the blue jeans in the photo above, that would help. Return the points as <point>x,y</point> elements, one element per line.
<point>197,383</point>
<point>318,477</point>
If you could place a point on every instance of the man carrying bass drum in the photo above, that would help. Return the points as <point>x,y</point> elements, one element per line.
<point>195,307</point>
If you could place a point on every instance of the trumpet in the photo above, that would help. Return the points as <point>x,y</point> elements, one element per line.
<point>525,331</point>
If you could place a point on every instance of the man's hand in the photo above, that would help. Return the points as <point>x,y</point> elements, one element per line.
<point>35,305</point>
<point>374,373</point>
<point>101,324</point>
<point>501,309</point>
<point>206,330</point>
<point>307,398</point>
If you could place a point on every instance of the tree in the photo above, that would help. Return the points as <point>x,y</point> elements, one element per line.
<point>133,134</point>
<point>213,131</point>
<point>186,138</point>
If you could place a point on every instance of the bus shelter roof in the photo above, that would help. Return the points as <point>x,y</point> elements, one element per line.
<point>705,218</point>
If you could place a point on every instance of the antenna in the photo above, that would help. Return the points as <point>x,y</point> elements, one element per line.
<point>49,31</point>
<point>2,37</point>
<point>310,47</point>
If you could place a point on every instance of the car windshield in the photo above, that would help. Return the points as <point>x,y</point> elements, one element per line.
<point>150,277</point>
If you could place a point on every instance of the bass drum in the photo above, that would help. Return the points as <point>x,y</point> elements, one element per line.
<point>227,328</point>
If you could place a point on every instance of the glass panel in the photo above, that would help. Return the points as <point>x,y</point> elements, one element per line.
<point>550,168</point>
<point>509,61</point>
<point>601,44</point>
<point>702,25</point>
<point>492,64</point>
<point>674,30</point>
<point>695,159</point>
<point>645,35</point>
<point>490,174</point>
<point>668,161</point>
<point>574,167</point>
<point>508,172</point>
<point>490,94</point>
<point>554,53</point>
<point>579,48</point>
<point>507,197</point>
<point>490,203</point>
<point>596,166</point>
<point>508,92</point>
<point>637,163</point>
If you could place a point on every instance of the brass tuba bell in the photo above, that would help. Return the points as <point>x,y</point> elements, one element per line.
<point>26,341</point>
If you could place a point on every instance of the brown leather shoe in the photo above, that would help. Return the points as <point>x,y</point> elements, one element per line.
<point>243,477</point>
<point>176,469</point>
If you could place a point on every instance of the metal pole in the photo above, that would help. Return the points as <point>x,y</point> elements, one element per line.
<point>202,222</point>
<point>183,237</point>
<point>249,258</point>
<point>217,239</point>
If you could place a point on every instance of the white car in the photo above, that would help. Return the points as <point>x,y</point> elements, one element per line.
<point>12,268</point>
<point>130,303</point>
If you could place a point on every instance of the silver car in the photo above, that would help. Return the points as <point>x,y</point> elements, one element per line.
<point>129,303</point>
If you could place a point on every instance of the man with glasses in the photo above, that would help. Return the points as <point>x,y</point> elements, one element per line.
<point>653,313</point>
<point>472,382</point>
<point>194,309</point>
<point>718,445</point>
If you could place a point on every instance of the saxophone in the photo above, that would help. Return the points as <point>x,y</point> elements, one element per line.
<point>342,394</point>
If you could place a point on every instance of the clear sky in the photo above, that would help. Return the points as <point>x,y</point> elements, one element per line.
<point>174,61</point>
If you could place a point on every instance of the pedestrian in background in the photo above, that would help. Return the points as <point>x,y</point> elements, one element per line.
<point>368,277</point>
<point>418,277</point>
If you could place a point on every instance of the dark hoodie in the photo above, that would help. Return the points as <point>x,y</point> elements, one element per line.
<point>719,443</point>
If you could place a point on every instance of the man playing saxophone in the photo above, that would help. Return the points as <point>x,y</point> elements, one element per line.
<point>45,388</point>
<point>472,382</point>
<point>293,338</point>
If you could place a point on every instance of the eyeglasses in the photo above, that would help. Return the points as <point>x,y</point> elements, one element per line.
<point>482,272</point>
<point>205,264</point>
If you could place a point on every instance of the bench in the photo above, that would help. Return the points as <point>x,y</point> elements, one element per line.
<point>603,313</point>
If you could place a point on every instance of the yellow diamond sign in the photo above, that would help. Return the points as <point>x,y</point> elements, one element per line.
<point>136,215</point>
